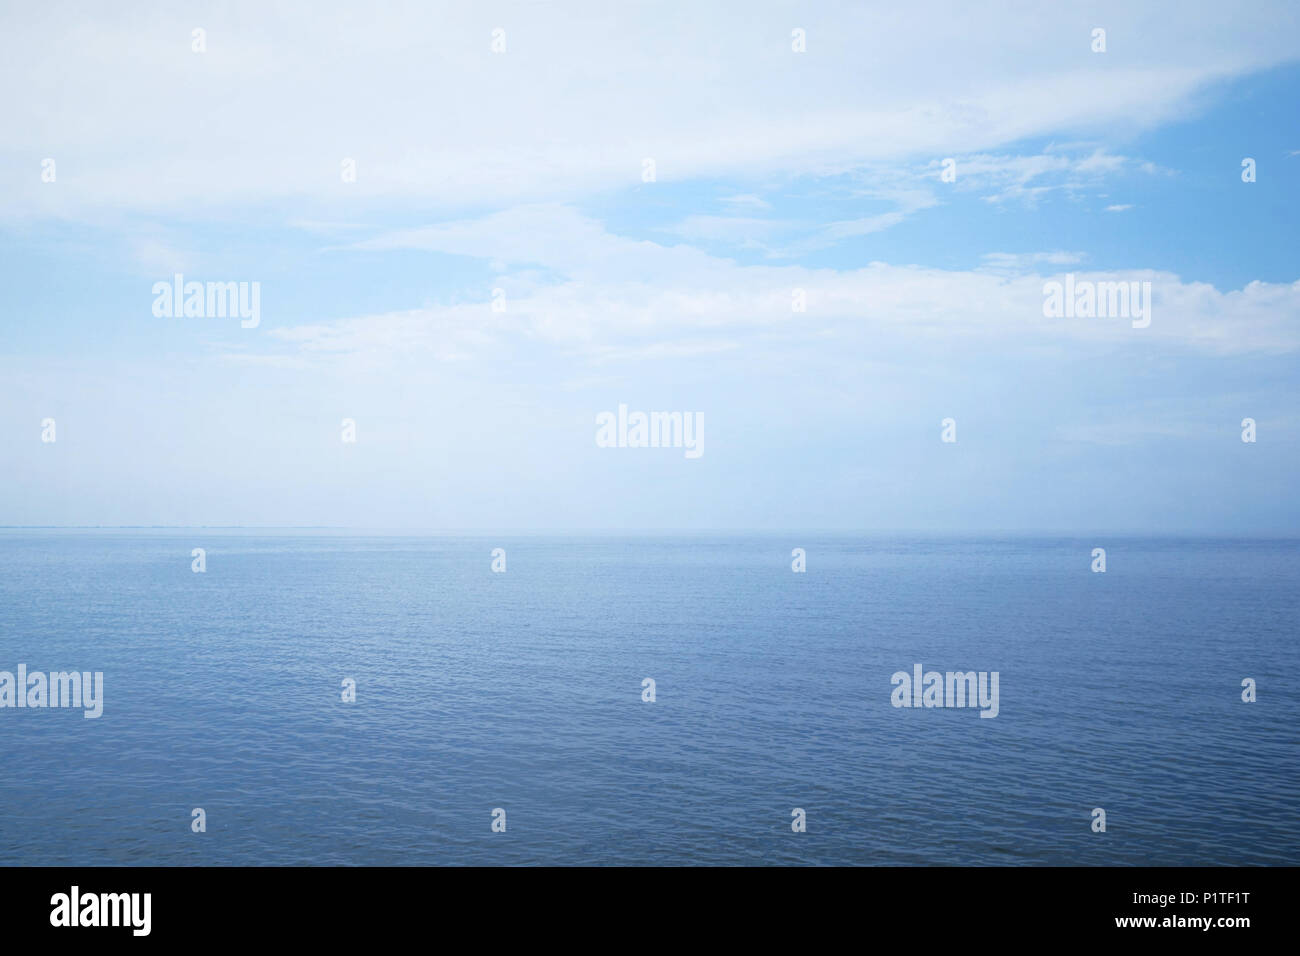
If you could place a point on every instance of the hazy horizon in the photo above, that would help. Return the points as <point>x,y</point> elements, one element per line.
<point>793,534</point>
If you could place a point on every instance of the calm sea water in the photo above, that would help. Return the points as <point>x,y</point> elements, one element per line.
<point>522,691</point>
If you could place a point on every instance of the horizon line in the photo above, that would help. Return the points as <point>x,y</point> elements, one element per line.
<point>673,532</point>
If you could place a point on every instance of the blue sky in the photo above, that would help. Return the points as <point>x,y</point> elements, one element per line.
<point>775,171</point>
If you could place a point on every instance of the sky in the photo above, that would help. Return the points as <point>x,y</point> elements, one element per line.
<point>505,147</point>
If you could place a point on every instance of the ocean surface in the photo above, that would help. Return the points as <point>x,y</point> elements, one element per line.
<point>523,691</point>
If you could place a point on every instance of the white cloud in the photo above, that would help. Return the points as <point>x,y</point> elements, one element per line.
<point>617,297</point>
<point>747,201</point>
<point>584,92</point>
<point>1071,169</point>
<point>736,229</point>
<point>1020,262</point>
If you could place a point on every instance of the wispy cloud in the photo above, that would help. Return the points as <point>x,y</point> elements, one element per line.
<point>1000,84</point>
<point>613,295</point>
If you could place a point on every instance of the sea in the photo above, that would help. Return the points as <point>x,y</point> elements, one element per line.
<point>503,717</point>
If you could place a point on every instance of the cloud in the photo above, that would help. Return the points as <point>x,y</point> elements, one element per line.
<point>1020,262</point>
<point>734,229</point>
<point>1028,178</point>
<point>614,297</point>
<point>413,93</point>
<point>906,201</point>
<point>747,201</point>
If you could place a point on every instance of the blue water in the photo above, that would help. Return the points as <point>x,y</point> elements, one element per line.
<point>522,691</point>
